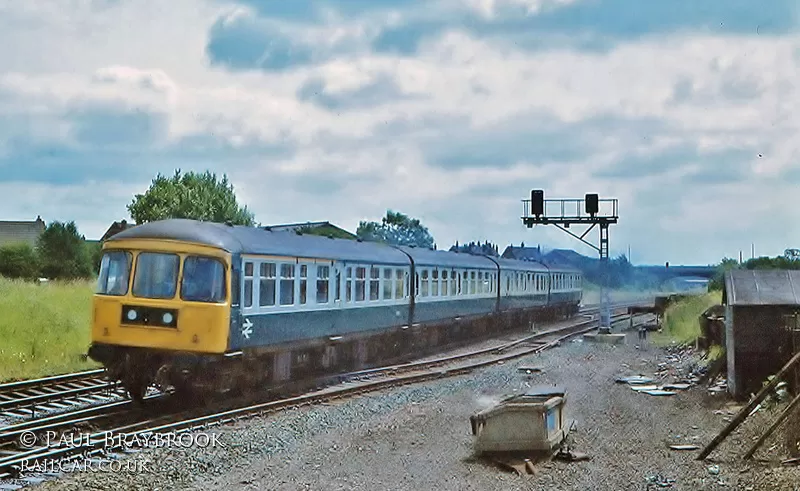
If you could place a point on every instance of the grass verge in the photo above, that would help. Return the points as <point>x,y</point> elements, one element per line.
<point>44,328</point>
<point>681,323</point>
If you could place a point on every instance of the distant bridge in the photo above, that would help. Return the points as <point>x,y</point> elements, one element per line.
<point>668,272</point>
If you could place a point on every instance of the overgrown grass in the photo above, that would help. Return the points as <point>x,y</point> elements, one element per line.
<point>44,329</point>
<point>681,320</point>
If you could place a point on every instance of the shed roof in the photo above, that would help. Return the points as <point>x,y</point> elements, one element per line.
<point>761,287</point>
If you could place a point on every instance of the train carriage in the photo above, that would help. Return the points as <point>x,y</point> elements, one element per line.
<point>184,303</point>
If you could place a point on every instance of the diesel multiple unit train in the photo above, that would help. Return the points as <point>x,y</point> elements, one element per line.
<point>200,306</point>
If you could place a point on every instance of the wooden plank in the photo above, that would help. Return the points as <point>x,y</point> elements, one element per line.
<point>745,411</point>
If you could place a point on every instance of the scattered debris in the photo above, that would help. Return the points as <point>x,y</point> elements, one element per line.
<point>637,379</point>
<point>529,369</point>
<point>713,470</point>
<point>569,455</point>
<point>659,392</point>
<point>659,481</point>
<point>684,447</point>
<point>793,461</point>
<point>678,386</point>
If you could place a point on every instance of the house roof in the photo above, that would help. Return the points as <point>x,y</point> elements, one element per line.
<point>299,225</point>
<point>15,232</point>
<point>761,287</point>
<point>114,229</point>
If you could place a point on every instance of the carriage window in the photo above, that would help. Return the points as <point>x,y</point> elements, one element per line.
<point>203,280</point>
<point>361,284</point>
<point>398,279</point>
<point>287,284</point>
<point>337,285</point>
<point>424,286</point>
<point>444,283</point>
<point>387,284</point>
<point>453,278</point>
<point>303,283</point>
<point>156,275</point>
<point>435,283</point>
<point>348,287</point>
<point>464,289</point>
<point>322,283</point>
<point>374,283</point>
<point>266,294</point>
<point>115,270</point>
<point>472,282</point>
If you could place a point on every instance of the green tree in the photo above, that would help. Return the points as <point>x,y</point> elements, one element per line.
<point>191,195</point>
<point>718,281</point>
<point>63,253</point>
<point>19,261</point>
<point>324,232</point>
<point>396,229</point>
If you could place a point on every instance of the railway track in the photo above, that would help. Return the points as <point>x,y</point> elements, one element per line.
<point>48,395</point>
<point>84,392</point>
<point>136,422</point>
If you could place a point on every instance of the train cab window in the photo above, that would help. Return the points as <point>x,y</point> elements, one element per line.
<point>266,285</point>
<point>435,283</point>
<point>323,273</point>
<point>361,284</point>
<point>156,275</point>
<point>444,283</point>
<point>287,284</point>
<point>203,280</point>
<point>115,270</point>
<point>248,285</point>
<point>387,284</point>
<point>399,283</point>
<point>374,283</point>
<point>303,284</point>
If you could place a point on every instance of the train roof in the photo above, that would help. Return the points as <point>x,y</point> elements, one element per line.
<point>521,265</point>
<point>428,257</point>
<point>238,239</point>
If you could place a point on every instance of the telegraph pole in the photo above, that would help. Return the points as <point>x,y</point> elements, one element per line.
<point>565,212</point>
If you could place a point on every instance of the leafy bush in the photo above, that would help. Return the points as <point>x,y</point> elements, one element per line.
<point>18,261</point>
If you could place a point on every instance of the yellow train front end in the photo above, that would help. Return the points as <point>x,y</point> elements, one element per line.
<point>160,312</point>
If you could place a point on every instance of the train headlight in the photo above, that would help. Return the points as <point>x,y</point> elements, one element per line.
<point>167,318</point>
<point>132,315</point>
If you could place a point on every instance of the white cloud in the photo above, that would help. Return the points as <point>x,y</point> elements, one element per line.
<point>699,91</point>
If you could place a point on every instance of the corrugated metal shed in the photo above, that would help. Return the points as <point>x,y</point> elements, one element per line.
<point>761,287</point>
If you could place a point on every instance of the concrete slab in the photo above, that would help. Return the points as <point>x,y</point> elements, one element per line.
<point>598,337</point>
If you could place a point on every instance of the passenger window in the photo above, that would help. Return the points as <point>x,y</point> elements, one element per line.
<point>424,290</point>
<point>287,284</point>
<point>303,283</point>
<point>337,285</point>
<point>267,285</point>
<point>453,282</point>
<point>361,284</point>
<point>435,283</point>
<point>472,282</point>
<point>444,283</point>
<point>323,273</point>
<point>348,287</point>
<point>248,284</point>
<point>398,291</point>
<point>387,284</point>
<point>374,283</point>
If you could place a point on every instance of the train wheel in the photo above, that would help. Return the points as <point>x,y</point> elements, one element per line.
<point>136,390</point>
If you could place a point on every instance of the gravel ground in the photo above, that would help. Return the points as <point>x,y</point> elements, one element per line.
<point>418,437</point>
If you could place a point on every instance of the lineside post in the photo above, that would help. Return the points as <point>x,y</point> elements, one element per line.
<point>566,212</point>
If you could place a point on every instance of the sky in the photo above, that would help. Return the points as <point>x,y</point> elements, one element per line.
<point>450,111</point>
